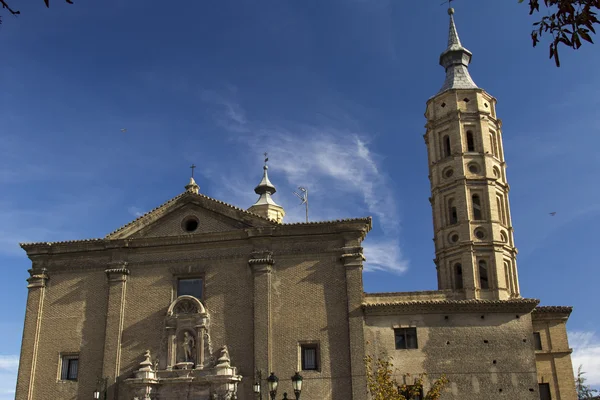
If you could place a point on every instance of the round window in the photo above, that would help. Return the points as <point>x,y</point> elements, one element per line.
<point>473,168</point>
<point>503,237</point>
<point>454,237</point>
<point>190,224</point>
<point>496,172</point>
<point>479,233</point>
<point>448,173</point>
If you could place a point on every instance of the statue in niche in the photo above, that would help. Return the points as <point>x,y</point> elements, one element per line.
<point>187,344</point>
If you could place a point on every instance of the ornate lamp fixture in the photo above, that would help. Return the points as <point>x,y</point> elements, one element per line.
<point>273,383</point>
<point>297,384</point>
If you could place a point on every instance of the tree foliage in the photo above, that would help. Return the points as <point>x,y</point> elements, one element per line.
<point>5,5</point>
<point>584,392</point>
<point>383,386</point>
<point>568,22</point>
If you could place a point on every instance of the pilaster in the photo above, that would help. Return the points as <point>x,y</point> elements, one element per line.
<point>117,274</point>
<point>261,263</point>
<point>353,258</point>
<point>31,332</point>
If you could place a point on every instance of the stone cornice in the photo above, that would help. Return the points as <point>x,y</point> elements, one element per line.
<point>117,271</point>
<point>451,306</point>
<point>38,278</point>
<point>261,261</point>
<point>551,313</point>
<point>360,225</point>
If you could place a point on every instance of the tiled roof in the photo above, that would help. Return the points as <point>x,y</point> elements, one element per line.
<point>438,306</point>
<point>24,245</point>
<point>174,199</point>
<point>553,309</point>
<point>455,302</point>
<point>336,221</point>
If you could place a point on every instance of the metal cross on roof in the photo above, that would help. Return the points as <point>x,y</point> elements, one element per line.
<point>449,3</point>
<point>192,167</point>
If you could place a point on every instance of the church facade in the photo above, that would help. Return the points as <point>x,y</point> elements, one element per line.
<point>199,299</point>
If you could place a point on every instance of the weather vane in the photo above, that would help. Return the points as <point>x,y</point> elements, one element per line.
<point>266,157</point>
<point>303,196</point>
<point>193,167</point>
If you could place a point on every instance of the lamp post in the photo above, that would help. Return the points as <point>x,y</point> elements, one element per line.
<point>297,384</point>
<point>100,392</point>
<point>273,383</point>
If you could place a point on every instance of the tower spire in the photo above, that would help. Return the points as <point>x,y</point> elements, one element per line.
<point>455,59</point>
<point>265,205</point>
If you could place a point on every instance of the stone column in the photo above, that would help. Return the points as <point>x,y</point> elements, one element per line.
<point>200,329</point>
<point>116,273</point>
<point>31,332</point>
<point>261,264</point>
<point>353,258</point>
<point>171,345</point>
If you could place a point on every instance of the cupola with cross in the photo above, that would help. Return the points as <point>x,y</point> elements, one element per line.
<point>265,206</point>
<point>473,235</point>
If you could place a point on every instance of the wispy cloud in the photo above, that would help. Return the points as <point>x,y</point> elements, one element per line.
<point>135,211</point>
<point>9,365</point>
<point>335,163</point>
<point>586,352</point>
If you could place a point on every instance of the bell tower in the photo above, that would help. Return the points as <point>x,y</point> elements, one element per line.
<point>473,235</point>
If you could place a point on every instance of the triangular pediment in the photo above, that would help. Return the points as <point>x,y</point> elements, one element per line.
<point>172,218</point>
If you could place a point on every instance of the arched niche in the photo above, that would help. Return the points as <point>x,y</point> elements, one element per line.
<point>186,325</point>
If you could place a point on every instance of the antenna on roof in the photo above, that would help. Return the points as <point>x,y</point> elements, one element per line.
<point>304,198</point>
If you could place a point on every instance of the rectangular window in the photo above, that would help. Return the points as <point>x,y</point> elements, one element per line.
<point>412,392</point>
<point>69,366</point>
<point>545,391</point>
<point>406,338</point>
<point>309,354</point>
<point>189,287</point>
<point>537,340</point>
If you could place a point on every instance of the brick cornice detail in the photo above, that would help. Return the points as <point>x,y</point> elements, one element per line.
<point>37,278</point>
<point>117,271</point>
<point>352,256</point>
<point>261,261</point>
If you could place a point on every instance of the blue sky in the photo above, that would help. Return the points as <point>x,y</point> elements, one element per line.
<point>334,90</point>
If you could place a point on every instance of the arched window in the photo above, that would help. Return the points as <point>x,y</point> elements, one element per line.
<point>476,203</point>
<point>493,143</point>
<point>483,275</point>
<point>458,278</point>
<point>501,210</point>
<point>470,141</point>
<point>447,149</point>
<point>452,214</point>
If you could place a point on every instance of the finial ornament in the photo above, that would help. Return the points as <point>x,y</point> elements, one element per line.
<point>266,158</point>
<point>450,11</point>
<point>193,167</point>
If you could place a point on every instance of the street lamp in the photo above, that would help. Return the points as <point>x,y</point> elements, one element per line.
<point>100,392</point>
<point>273,383</point>
<point>256,388</point>
<point>297,384</point>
